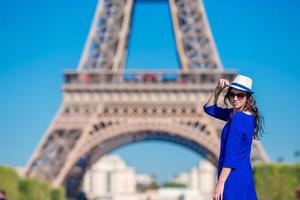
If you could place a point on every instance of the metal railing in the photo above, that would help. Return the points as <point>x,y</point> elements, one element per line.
<point>170,76</point>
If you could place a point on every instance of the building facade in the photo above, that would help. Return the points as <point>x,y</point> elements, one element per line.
<point>200,179</point>
<point>111,178</point>
<point>108,177</point>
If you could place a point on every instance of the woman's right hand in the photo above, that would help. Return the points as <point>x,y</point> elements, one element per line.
<point>222,84</point>
<point>216,93</point>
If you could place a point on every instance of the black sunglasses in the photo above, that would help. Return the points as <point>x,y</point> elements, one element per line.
<point>240,96</point>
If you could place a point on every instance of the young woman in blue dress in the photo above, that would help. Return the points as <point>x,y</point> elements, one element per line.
<point>243,124</point>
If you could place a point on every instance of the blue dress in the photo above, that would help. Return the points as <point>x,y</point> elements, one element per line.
<point>236,140</point>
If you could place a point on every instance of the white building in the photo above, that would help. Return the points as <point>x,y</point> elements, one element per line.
<point>109,176</point>
<point>200,179</point>
<point>144,179</point>
<point>111,179</point>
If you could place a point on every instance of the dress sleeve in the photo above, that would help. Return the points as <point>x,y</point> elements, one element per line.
<point>217,112</point>
<point>233,144</point>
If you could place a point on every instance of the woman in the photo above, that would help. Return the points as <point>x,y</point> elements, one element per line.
<point>243,123</point>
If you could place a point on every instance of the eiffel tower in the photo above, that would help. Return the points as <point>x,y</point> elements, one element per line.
<point>105,106</point>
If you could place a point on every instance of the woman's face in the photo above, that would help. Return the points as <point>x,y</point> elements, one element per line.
<point>237,98</point>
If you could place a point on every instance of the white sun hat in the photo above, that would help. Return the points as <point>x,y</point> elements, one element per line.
<point>242,83</point>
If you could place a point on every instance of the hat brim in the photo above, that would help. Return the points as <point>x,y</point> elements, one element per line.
<point>240,88</point>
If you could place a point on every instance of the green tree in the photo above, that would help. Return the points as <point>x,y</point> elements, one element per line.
<point>297,155</point>
<point>174,185</point>
<point>9,182</point>
<point>276,181</point>
<point>58,194</point>
<point>34,190</point>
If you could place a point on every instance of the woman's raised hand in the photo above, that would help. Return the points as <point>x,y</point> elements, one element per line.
<point>222,84</point>
<point>216,93</point>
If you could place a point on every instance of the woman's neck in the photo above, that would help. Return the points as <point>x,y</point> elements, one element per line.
<point>242,110</point>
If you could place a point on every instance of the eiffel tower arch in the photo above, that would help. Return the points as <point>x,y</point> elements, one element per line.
<point>105,107</point>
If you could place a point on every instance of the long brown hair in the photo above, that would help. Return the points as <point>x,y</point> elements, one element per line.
<point>250,105</point>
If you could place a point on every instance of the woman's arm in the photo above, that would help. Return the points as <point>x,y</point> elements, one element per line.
<point>218,193</point>
<point>216,93</point>
<point>211,107</point>
<point>233,151</point>
<point>224,174</point>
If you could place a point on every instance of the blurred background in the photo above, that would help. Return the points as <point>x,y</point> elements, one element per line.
<point>41,39</point>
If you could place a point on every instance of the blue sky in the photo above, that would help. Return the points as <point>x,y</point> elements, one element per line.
<point>40,39</point>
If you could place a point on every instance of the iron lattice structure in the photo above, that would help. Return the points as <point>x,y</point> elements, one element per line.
<point>105,107</point>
